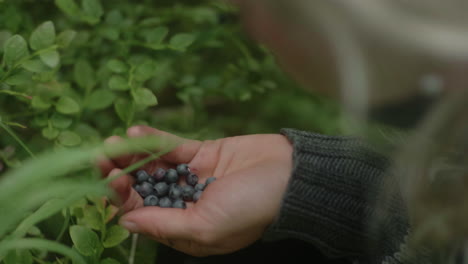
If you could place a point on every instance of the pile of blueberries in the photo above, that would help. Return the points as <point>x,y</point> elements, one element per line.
<point>162,189</point>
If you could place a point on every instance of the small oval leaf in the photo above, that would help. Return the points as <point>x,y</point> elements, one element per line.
<point>115,235</point>
<point>85,240</point>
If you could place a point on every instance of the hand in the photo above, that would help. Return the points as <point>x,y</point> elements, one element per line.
<point>252,175</point>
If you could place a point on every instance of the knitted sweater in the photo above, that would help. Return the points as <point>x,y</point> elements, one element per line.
<point>331,198</point>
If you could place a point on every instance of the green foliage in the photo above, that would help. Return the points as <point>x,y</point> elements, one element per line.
<point>73,72</point>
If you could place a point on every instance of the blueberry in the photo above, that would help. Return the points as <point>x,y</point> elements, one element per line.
<point>161,189</point>
<point>151,180</point>
<point>136,187</point>
<point>210,180</point>
<point>200,187</point>
<point>165,202</point>
<point>171,176</point>
<point>175,192</point>
<point>179,204</point>
<point>159,174</point>
<point>146,189</point>
<point>191,179</point>
<point>183,169</point>
<point>151,200</point>
<point>187,192</point>
<point>141,176</point>
<point>197,195</point>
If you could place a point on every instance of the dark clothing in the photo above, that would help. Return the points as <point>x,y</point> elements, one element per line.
<point>331,201</point>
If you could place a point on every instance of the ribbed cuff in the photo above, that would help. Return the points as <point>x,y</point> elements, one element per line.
<point>328,200</point>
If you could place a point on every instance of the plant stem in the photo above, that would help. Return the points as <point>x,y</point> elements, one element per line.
<point>131,258</point>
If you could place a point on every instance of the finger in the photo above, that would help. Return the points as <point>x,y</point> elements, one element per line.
<point>127,198</point>
<point>184,152</point>
<point>162,224</point>
<point>105,165</point>
<point>122,161</point>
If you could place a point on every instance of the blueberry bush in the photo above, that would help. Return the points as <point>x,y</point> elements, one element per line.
<point>73,72</point>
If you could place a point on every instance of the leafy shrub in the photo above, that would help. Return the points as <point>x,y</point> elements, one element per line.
<point>73,72</point>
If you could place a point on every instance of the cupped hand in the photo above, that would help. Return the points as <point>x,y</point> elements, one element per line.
<point>252,174</point>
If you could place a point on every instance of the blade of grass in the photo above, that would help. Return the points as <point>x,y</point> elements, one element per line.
<point>20,142</point>
<point>41,244</point>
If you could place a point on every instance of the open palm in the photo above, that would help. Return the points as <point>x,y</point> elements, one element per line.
<point>252,174</point>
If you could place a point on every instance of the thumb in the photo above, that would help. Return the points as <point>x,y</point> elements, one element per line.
<point>161,224</point>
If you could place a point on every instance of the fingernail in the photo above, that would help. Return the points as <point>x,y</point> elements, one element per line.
<point>130,226</point>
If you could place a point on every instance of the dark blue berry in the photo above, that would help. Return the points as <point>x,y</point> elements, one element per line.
<point>159,175</point>
<point>151,200</point>
<point>179,204</point>
<point>191,179</point>
<point>171,176</point>
<point>200,187</point>
<point>197,195</point>
<point>183,169</point>
<point>187,192</point>
<point>175,192</point>
<point>165,202</point>
<point>141,176</point>
<point>146,189</point>
<point>151,180</point>
<point>210,180</point>
<point>161,189</point>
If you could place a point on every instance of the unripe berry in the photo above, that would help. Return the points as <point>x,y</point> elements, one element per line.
<point>151,200</point>
<point>171,176</point>
<point>191,179</point>
<point>161,189</point>
<point>183,169</point>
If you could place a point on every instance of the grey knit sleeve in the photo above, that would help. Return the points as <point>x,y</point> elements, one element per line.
<point>330,199</point>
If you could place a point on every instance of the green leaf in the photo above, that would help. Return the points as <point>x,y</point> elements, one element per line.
<point>69,7</point>
<point>144,97</point>
<point>17,256</point>
<point>118,83</point>
<point>4,36</point>
<point>69,139</point>
<point>92,218</point>
<point>85,240</point>
<point>114,236</point>
<point>109,261</point>
<point>117,66</point>
<point>145,71</point>
<point>92,9</point>
<point>100,99</point>
<point>181,41</point>
<point>67,105</point>
<point>60,121</point>
<point>124,109</point>
<point>51,58</point>
<point>35,66</point>
<point>50,132</point>
<point>84,74</point>
<point>43,36</point>
<point>40,103</point>
<point>14,49</point>
<point>157,35</point>
<point>19,78</point>
<point>65,38</point>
